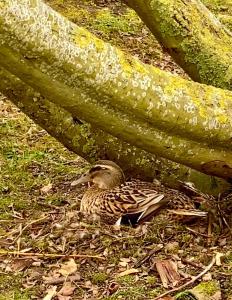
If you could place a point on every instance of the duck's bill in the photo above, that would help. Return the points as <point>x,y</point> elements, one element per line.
<point>83,179</point>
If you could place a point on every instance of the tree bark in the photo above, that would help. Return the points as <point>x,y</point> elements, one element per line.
<point>192,35</point>
<point>226,20</point>
<point>153,110</point>
<point>93,144</point>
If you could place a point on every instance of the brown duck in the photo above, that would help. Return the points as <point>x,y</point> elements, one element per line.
<point>132,202</point>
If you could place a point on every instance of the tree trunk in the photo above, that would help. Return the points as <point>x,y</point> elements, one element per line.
<point>93,144</point>
<point>192,35</point>
<point>151,109</point>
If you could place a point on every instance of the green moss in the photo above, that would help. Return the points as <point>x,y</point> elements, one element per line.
<point>55,199</point>
<point>10,288</point>
<point>106,242</point>
<point>155,292</point>
<point>151,280</point>
<point>107,22</point>
<point>186,238</point>
<point>228,258</point>
<point>218,6</point>
<point>126,280</point>
<point>15,295</point>
<point>99,278</point>
<point>131,293</point>
<point>185,296</point>
<point>208,288</point>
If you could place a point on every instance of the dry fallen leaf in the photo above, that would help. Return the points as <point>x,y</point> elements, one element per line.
<point>68,268</point>
<point>125,259</point>
<point>113,287</point>
<point>45,189</point>
<point>124,262</point>
<point>67,289</point>
<point>207,277</point>
<point>61,297</point>
<point>218,258</point>
<point>50,293</point>
<point>128,272</point>
<point>19,264</point>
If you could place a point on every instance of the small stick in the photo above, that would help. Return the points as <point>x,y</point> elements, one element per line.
<point>28,225</point>
<point>221,214</point>
<point>148,256</point>
<point>209,240</point>
<point>49,255</point>
<point>192,263</point>
<point>196,232</point>
<point>62,279</point>
<point>189,282</point>
<point>48,205</point>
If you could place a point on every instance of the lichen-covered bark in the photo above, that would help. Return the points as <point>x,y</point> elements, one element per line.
<point>158,112</point>
<point>93,144</point>
<point>226,20</point>
<point>192,35</point>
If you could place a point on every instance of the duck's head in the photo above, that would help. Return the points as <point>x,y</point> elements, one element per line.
<point>105,174</point>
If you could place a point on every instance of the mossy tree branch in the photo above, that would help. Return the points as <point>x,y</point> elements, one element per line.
<point>153,110</point>
<point>192,35</point>
<point>93,144</point>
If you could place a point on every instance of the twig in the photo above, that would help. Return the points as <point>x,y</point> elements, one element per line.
<point>196,232</point>
<point>192,263</point>
<point>224,274</point>
<point>189,282</point>
<point>62,279</point>
<point>48,205</point>
<point>25,227</point>
<point>221,214</point>
<point>210,217</point>
<point>148,256</point>
<point>48,255</point>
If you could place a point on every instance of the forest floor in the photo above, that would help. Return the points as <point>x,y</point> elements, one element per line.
<point>39,221</point>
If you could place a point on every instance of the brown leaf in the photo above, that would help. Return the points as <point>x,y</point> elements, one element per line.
<point>20,264</point>
<point>207,277</point>
<point>68,268</point>
<point>124,261</point>
<point>50,293</point>
<point>45,189</point>
<point>218,258</point>
<point>128,272</point>
<point>61,297</point>
<point>67,289</point>
<point>113,287</point>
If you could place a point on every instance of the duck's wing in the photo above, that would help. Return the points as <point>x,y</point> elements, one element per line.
<point>137,202</point>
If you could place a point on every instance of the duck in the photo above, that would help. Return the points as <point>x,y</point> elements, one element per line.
<point>115,200</point>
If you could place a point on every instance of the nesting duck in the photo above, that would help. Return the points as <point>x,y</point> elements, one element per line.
<point>114,199</point>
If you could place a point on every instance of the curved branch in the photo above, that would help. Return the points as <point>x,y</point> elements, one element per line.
<point>192,35</point>
<point>140,134</point>
<point>81,60</point>
<point>93,144</point>
<point>132,101</point>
